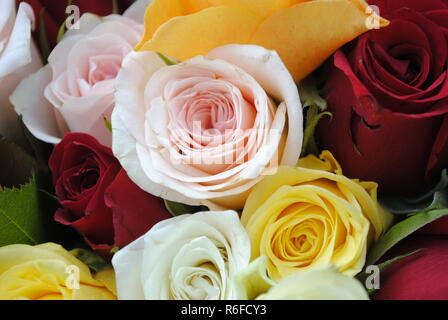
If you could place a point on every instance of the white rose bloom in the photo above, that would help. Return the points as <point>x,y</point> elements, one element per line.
<point>205,131</point>
<point>18,58</point>
<point>190,257</point>
<point>322,283</point>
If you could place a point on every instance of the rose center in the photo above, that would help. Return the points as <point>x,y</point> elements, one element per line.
<point>104,67</point>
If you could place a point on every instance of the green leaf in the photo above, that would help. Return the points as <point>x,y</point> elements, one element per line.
<point>114,250</point>
<point>62,29</point>
<point>44,44</point>
<point>314,106</point>
<point>20,217</point>
<point>177,209</point>
<point>313,118</point>
<point>401,230</point>
<point>436,198</point>
<point>168,61</point>
<point>108,124</point>
<point>115,8</point>
<point>61,32</point>
<point>91,259</point>
<point>310,95</point>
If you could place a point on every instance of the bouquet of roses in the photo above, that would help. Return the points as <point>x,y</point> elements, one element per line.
<point>224,149</point>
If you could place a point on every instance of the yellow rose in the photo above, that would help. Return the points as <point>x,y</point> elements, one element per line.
<point>49,272</point>
<point>303,32</point>
<point>323,283</point>
<point>312,216</point>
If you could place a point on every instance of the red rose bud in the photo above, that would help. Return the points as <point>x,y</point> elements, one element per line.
<point>388,93</point>
<point>98,198</point>
<point>421,276</point>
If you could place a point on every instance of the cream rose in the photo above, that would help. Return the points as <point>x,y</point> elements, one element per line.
<point>322,283</point>
<point>18,58</point>
<point>206,130</point>
<point>190,257</point>
<point>75,91</point>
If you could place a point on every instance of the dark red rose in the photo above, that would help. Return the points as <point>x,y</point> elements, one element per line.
<point>388,92</point>
<point>98,198</point>
<point>55,14</point>
<point>421,276</point>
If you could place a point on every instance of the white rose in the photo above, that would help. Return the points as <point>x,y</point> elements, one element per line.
<point>75,91</point>
<point>190,257</point>
<point>322,283</point>
<point>18,58</point>
<point>205,131</point>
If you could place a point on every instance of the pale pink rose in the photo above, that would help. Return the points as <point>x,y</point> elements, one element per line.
<point>75,91</point>
<point>18,58</point>
<point>206,130</point>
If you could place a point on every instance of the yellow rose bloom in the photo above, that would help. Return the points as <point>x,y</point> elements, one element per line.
<point>49,272</point>
<point>312,216</point>
<point>304,33</point>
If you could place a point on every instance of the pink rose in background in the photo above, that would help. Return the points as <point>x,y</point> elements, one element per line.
<point>205,131</point>
<point>18,58</point>
<point>75,91</point>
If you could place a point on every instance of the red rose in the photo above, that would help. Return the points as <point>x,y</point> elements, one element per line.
<point>98,198</point>
<point>388,92</point>
<point>55,14</point>
<point>421,276</point>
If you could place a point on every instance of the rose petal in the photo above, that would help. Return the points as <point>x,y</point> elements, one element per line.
<point>292,32</point>
<point>18,51</point>
<point>268,69</point>
<point>38,114</point>
<point>167,245</point>
<point>216,26</point>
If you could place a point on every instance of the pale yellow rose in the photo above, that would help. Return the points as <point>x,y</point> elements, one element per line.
<point>303,32</point>
<point>312,216</point>
<point>43,272</point>
<point>324,283</point>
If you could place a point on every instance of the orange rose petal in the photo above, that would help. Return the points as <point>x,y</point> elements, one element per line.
<point>160,11</point>
<point>157,13</point>
<point>265,7</point>
<point>185,37</point>
<point>193,6</point>
<point>306,34</point>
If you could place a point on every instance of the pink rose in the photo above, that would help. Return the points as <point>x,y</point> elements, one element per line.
<point>18,58</point>
<point>74,92</point>
<point>206,130</point>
